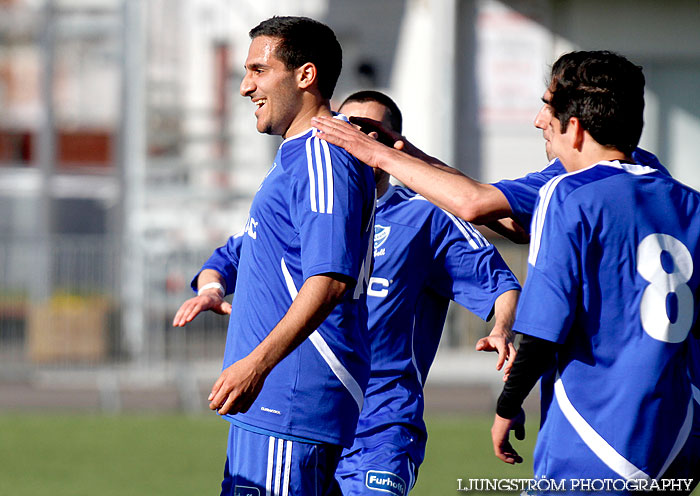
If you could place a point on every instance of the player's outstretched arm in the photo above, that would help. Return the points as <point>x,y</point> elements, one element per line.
<point>392,139</point>
<point>239,385</point>
<point>208,299</point>
<point>442,185</point>
<point>500,434</point>
<point>501,337</point>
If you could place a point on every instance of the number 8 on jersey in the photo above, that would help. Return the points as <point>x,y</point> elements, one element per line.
<point>666,308</point>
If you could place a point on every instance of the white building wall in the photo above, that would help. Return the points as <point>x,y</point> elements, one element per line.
<point>663,37</point>
<point>513,52</point>
<point>468,75</point>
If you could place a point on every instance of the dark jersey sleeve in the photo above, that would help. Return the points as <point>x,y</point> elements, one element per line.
<point>224,260</point>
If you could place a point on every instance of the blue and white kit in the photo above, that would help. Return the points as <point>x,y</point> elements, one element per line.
<point>423,258</point>
<point>312,215</point>
<point>620,245</point>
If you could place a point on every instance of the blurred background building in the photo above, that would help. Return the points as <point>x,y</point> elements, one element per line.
<point>127,155</point>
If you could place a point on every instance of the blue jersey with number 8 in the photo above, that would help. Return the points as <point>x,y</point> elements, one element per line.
<point>613,277</point>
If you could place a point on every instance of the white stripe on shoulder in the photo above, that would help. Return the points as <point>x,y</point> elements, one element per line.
<point>408,194</point>
<point>319,176</point>
<point>329,176</point>
<point>325,351</point>
<point>474,237</point>
<point>403,193</point>
<point>312,177</point>
<point>475,232</point>
<point>595,441</point>
<point>546,193</point>
<point>320,167</point>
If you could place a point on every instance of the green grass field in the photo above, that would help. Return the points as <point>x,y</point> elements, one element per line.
<point>76,455</point>
<point>124,455</point>
<point>460,448</point>
<point>83,455</point>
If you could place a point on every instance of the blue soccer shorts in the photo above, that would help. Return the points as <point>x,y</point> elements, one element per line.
<point>264,465</point>
<point>376,471</point>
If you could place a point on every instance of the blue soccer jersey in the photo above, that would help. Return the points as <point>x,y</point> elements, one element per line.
<point>423,258</point>
<point>613,278</point>
<point>521,193</point>
<point>312,215</point>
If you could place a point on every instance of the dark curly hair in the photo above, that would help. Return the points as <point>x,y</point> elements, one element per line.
<point>305,40</point>
<point>605,91</point>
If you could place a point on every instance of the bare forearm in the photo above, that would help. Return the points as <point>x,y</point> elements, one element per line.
<point>504,312</point>
<point>208,276</point>
<point>446,187</point>
<point>510,229</point>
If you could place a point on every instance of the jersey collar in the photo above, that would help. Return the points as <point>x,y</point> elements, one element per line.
<point>627,167</point>
<point>387,194</point>
<point>336,115</point>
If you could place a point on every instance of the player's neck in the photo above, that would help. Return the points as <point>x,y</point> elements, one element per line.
<point>302,121</point>
<point>591,155</point>
<point>382,186</point>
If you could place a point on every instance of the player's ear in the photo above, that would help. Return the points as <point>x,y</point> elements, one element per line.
<point>577,131</point>
<point>306,75</point>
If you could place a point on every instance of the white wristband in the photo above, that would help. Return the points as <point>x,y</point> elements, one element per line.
<point>210,286</point>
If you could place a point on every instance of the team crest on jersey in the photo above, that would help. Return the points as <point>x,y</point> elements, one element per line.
<point>381,233</point>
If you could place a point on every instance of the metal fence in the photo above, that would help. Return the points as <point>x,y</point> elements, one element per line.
<point>62,325</point>
<point>60,305</point>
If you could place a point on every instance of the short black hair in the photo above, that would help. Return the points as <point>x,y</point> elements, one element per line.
<point>303,40</point>
<point>605,91</point>
<point>395,118</point>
